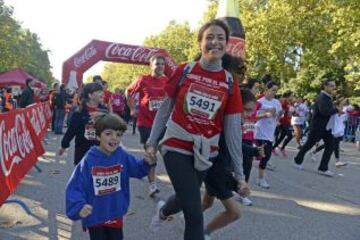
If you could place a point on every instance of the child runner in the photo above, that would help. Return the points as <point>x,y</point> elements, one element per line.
<point>268,110</point>
<point>98,192</point>
<point>82,122</point>
<point>219,181</point>
<point>285,129</point>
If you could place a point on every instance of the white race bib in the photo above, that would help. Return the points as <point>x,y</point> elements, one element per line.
<point>155,104</point>
<point>106,179</point>
<point>116,102</point>
<point>249,127</point>
<point>203,102</point>
<point>90,132</point>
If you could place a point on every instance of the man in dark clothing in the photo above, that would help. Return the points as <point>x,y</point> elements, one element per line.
<point>59,102</point>
<point>27,96</point>
<point>322,111</point>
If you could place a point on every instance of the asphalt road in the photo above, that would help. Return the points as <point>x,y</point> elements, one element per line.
<point>299,205</point>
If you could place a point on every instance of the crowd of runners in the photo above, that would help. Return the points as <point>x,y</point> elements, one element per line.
<point>207,126</point>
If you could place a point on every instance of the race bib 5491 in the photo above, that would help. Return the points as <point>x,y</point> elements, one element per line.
<point>106,179</point>
<point>202,101</point>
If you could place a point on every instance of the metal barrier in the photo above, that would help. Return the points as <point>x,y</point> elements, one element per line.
<point>352,125</point>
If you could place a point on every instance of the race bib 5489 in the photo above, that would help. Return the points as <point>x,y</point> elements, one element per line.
<point>106,179</point>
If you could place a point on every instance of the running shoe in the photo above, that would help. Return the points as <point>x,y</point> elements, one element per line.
<point>284,152</point>
<point>298,166</point>
<point>327,173</point>
<point>156,221</point>
<point>263,183</point>
<point>245,201</point>
<point>340,164</point>
<point>153,189</point>
<point>274,151</point>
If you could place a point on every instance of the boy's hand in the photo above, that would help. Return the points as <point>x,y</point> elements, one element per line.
<point>86,211</point>
<point>244,189</point>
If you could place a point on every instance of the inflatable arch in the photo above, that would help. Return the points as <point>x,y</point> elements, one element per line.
<point>95,51</point>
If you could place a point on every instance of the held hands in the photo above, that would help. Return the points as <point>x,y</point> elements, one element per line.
<point>244,189</point>
<point>86,211</point>
<point>150,154</point>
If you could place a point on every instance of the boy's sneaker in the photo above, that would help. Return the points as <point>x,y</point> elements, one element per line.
<point>245,201</point>
<point>156,221</point>
<point>153,189</point>
<point>263,183</point>
<point>327,173</point>
<point>340,164</point>
<point>284,152</point>
<point>207,237</point>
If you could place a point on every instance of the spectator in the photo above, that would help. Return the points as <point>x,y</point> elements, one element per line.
<point>27,96</point>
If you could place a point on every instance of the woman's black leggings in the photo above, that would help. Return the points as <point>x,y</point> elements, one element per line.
<point>186,181</point>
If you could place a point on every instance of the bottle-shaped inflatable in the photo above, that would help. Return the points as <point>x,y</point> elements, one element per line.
<point>228,12</point>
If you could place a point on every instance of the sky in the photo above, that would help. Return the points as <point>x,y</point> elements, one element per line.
<point>65,26</point>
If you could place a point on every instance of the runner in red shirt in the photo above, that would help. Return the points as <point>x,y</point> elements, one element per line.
<point>200,104</point>
<point>285,128</point>
<point>151,95</point>
<point>107,96</point>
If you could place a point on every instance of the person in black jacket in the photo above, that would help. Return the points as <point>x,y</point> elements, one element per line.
<point>322,111</point>
<point>27,96</point>
<point>82,122</point>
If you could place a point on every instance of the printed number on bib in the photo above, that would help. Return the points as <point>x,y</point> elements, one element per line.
<point>90,132</point>
<point>203,102</point>
<point>155,104</point>
<point>249,127</point>
<point>106,179</point>
<point>116,102</point>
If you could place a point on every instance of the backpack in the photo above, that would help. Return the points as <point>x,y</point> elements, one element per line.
<point>189,67</point>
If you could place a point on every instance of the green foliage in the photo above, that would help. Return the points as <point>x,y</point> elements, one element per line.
<point>20,48</point>
<point>297,42</point>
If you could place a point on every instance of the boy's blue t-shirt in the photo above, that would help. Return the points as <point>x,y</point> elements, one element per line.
<point>103,182</point>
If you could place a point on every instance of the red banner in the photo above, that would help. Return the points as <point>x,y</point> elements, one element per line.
<point>40,118</point>
<point>21,132</point>
<point>96,51</point>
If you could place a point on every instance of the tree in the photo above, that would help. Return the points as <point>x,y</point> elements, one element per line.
<point>20,48</point>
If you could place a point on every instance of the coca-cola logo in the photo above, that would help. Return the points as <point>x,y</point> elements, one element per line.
<point>236,47</point>
<point>129,53</point>
<point>15,144</point>
<point>85,56</point>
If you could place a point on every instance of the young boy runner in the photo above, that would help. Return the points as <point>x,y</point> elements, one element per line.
<point>98,191</point>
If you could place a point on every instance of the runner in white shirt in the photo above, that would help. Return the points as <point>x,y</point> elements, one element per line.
<point>268,112</point>
<point>298,119</point>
